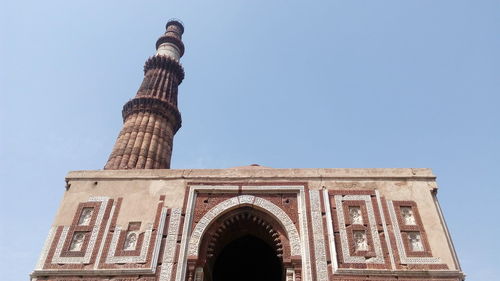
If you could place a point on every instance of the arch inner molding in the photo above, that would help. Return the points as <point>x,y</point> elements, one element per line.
<point>192,237</point>
<point>241,201</point>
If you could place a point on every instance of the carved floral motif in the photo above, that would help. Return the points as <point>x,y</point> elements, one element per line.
<point>408,217</point>
<point>130,241</point>
<point>360,241</point>
<point>372,227</point>
<point>415,241</point>
<point>319,240</point>
<point>57,258</point>
<point>259,202</point>
<point>355,215</point>
<point>170,245</point>
<point>86,216</point>
<point>77,242</point>
<point>404,258</point>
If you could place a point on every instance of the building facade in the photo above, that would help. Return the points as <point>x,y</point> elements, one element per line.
<point>139,220</point>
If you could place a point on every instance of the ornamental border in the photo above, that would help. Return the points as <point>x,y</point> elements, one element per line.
<point>379,255</point>
<point>238,188</point>
<point>318,236</point>
<point>58,259</point>
<point>404,259</point>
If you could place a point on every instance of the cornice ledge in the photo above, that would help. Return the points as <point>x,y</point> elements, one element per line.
<point>412,174</point>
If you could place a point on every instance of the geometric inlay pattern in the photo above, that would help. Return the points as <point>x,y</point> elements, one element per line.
<point>229,197</point>
<point>111,258</point>
<point>358,235</point>
<point>239,201</point>
<point>170,245</point>
<point>318,235</point>
<point>59,259</point>
<point>405,259</point>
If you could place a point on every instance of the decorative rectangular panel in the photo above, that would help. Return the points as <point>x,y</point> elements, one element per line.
<point>413,249</point>
<point>358,230</point>
<point>94,243</point>
<point>78,243</point>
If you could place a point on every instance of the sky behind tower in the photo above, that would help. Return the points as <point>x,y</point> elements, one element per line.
<point>285,84</point>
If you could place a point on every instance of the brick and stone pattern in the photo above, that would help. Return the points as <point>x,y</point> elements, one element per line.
<point>323,224</point>
<point>152,118</point>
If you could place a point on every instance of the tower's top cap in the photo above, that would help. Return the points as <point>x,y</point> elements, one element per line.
<point>175,25</point>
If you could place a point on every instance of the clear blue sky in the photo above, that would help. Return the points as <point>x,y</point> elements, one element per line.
<point>301,84</point>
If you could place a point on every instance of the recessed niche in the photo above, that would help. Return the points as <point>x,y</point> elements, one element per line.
<point>415,241</point>
<point>355,215</point>
<point>130,241</point>
<point>77,241</point>
<point>86,216</point>
<point>408,216</point>
<point>360,241</point>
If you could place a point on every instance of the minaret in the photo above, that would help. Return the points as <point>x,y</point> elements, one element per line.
<point>152,118</point>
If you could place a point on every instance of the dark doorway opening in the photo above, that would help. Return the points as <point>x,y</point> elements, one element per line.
<point>247,258</point>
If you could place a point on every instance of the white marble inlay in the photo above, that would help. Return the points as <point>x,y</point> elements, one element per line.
<point>360,240</point>
<point>284,220</point>
<point>355,215</point>
<point>319,239</point>
<point>92,240</point>
<point>399,242</point>
<point>106,231</point>
<point>96,270</point>
<point>303,238</point>
<point>77,241</point>
<point>408,217</point>
<point>142,257</point>
<point>46,248</point>
<point>384,224</point>
<point>169,50</point>
<point>232,203</point>
<point>130,241</point>
<point>329,227</point>
<point>372,225</point>
<point>415,241</point>
<point>86,216</point>
<point>111,258</point>
<point>170,245</point>
<point>304,232</point>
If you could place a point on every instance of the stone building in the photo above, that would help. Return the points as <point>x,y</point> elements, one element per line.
<point>139,220</point>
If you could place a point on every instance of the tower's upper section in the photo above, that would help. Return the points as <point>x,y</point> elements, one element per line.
<point>152,118</point>
<point>170,44</point>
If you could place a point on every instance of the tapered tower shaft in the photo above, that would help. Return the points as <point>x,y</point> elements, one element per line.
<point>152,118</point>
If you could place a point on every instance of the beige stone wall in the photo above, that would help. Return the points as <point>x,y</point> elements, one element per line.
<point>140,191</point>
<point>421,193</point>
<point>140,197</point>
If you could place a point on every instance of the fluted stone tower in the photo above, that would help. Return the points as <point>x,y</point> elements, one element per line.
<point>152,118</point>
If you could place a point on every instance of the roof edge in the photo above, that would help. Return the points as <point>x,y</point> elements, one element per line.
<point>259,173</point>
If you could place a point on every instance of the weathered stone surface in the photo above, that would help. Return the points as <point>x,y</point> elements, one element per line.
<point>151,119</point>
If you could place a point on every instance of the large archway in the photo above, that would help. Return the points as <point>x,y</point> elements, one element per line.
<point>255,220</point>
<point>244,244</point>
<point>247,258</point>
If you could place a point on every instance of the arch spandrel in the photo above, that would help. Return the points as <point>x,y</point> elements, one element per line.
<point>240,201</point>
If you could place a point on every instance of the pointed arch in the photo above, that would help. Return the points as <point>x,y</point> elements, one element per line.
<point>239,201</point>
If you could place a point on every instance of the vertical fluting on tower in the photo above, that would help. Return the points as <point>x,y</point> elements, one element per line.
<point>151,118</point>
